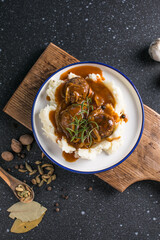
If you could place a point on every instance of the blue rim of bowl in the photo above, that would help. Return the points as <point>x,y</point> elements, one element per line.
<point>122,160</point>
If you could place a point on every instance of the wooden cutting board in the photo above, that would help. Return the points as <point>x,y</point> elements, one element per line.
<point>143,164</point>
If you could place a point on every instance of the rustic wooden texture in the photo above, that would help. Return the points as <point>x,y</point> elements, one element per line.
<point>143,164</point>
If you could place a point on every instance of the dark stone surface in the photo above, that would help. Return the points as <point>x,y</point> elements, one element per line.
<point>114,32</point>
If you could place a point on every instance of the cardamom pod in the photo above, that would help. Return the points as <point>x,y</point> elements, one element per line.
<point>53,177</point>
<point>22,170</point>
<point>40,170</point>
<point>38,162</point>
<point>38,179</point>
<point>41,183</point>
<point>28,167</point>
<point>47,165</point>
<point>49,180</point>
<point>34,171</point>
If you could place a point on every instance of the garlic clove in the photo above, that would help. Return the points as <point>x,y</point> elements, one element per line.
<point>154,50</point>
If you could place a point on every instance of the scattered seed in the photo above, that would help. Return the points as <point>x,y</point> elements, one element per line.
<point>45,180</point>
<point>49,168</point>
<point>24,181</point>
<point>28,147</point>
<point>28,167</point>
<point>38,162</point>
<point>22,170</point>
<point>18,154</point>
<point>21,166</point>
<point>38,179</point>
<point>40,170</point>
<point>57,209</point>
<point>90,189</point>
<point>41,183</point>
<point>19,189</point>
<point>33,172</point>
<point>16,166</point>
<point>46,176</point>
<point>9,169</point>
<point>34,181</point>
<point>49,180</point>
<point>49,188</point>
<point>43,155</point>
<point>22,155</point>
<point>27,188</point>
<point>7,156</point>
<point>51,172</point>
<point>53,177</point>
<point>47,165</point>
<point>56,204</point>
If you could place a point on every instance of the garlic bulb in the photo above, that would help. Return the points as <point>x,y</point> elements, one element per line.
<point>154,50</point>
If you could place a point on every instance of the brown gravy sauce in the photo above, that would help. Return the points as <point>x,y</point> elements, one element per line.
<point>48,98</point>
<point>82,71</point>
<point>100,91</point>
<point>69,157</point>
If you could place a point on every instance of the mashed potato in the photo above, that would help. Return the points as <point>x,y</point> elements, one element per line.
<point>91,153</point>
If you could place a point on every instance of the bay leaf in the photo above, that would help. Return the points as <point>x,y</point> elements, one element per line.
<point>22,227</point>
<point>26,211</point>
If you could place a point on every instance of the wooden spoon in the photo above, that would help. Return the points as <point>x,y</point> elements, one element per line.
<point>13,183</point>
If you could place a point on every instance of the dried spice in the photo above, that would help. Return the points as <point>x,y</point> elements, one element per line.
<point>38,162</point>
<point>26,212</point>
<point>22,170</point>
<point>28,167</point>
<point>41,183</point>
<point>22,227</point>
<point>28,147</point>
<point>33,172</point>
<point>16,146</point>
<point>23,192</point>
<point>38,179</point>
<point>7,156</point>
<point>43,155</point>
<point>26,139</point>
<point>40,170</point>
<point>33,181</point>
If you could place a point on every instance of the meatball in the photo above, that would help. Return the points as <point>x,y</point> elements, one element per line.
<point>105,122</point>
<point>75,90</point>
<point>67,115</point>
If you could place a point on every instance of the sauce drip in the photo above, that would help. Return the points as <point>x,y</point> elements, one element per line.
<point>52,117</point>
<point>69,157</point>
<point>48,98</point>
<point>82,71</point>
<point>112,139</point>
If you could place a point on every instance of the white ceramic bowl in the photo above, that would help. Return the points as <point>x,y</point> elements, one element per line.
<point>132,134</point>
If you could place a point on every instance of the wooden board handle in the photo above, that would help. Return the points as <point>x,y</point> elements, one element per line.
<point>144,163</point>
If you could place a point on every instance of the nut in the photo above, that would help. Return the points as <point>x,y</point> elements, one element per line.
<point>7,156</point>
<point>90,189</point>
<point>26,139</point>
<point>57,209</point>
<point>16,146</point>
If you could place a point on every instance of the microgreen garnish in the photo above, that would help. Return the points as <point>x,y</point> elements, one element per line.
<point>82,127</point>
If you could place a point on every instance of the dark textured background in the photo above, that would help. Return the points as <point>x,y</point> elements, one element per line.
<point>114,32</point>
